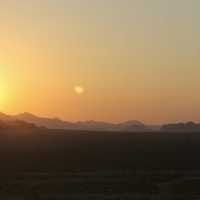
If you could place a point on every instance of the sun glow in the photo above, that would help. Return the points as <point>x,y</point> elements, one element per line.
<point>79,89</point>
<point>2,97</point>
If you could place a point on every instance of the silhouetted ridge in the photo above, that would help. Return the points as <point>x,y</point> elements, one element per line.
<point>182,127</point>
<point>5,117</point>
<point>55,123</point>
<point>16,124</point>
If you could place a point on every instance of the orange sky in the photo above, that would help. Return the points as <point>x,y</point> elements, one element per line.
<point>133,59</point>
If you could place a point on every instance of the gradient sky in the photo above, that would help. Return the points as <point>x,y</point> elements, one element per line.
<point>136,59</point>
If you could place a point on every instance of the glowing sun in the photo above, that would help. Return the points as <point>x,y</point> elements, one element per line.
<point>79,89</point>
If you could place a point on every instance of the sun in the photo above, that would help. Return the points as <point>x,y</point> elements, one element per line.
<point>79,89</point>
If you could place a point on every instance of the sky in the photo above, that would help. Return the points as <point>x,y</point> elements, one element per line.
<point>105,60</point>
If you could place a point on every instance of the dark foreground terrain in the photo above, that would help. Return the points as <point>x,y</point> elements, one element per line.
<point>56,165</point>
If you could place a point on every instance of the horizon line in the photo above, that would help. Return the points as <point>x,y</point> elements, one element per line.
<point>92,120</point>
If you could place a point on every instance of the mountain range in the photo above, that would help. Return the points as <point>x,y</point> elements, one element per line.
<point>56,123</point>
<point>29,120</point>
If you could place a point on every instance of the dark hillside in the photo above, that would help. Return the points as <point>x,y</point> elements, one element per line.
<point>37,163</point>
<point>43,149</point>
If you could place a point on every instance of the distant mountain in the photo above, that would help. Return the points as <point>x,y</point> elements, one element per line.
<point>5,117</point>
<point>181,127</point>
<point>105,126</point>
<point>55,123</point>
<point>16,124</point>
